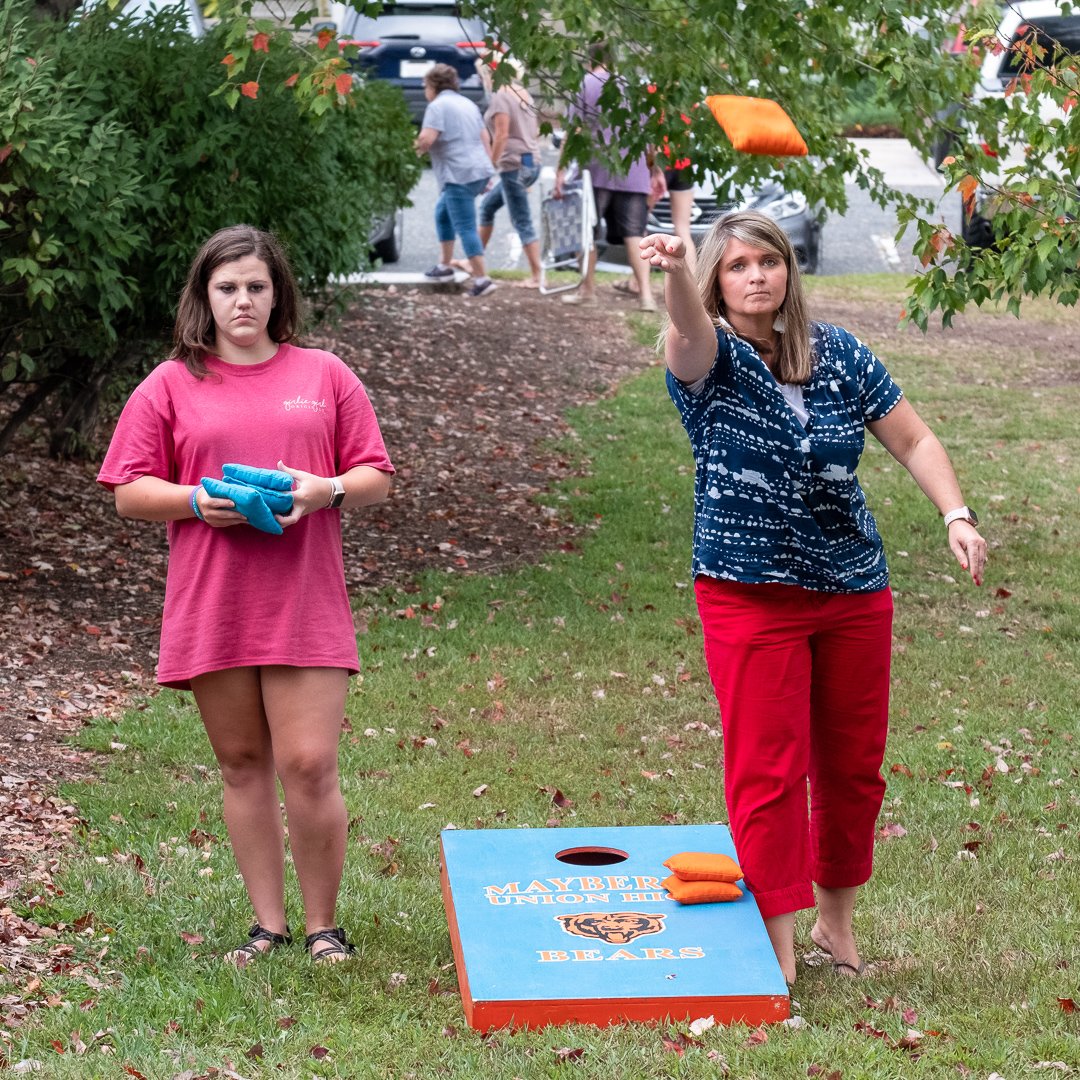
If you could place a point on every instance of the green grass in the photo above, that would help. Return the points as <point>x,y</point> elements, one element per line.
<point>581,673</point>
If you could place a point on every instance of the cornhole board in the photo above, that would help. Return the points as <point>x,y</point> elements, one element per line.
<point>556,926</point>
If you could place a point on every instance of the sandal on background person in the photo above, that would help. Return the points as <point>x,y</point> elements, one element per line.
<point>242,955</point>
<point>337,947</point>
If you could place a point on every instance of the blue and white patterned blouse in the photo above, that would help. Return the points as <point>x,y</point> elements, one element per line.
<point>774,502</point>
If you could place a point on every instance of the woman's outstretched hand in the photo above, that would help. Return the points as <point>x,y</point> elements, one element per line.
<point>969,547</point>
<point>665,252</point>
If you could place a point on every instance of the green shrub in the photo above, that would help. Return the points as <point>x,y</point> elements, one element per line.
<point>121,164</point>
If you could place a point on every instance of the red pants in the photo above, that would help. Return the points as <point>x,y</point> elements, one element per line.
<point>802,679</point>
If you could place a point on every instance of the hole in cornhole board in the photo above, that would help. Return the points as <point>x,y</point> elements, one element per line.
<point>592,856</point>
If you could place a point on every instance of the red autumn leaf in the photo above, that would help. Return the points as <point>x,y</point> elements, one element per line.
<point>903,770</point>
<point>1067,1005</point>
<point>249,89</point>
<point>968,187</point>
<point>5,151</point>
<point>867,1029</point>
<point>291,80</point>
<point>286,1022</point>
<point>557,797</point>
<point>229,61</point>
<point>1002,594</point>
<point>57,1045</point>
<point>325,37</point>
<point>192,939</point>
<point>343,83</point>
<point>673,1046</point>
<point>134,1072</point>
<point>255,1052</point>
<point>319,1052</point>
<point>261,43</point>
<point>758,1037</point>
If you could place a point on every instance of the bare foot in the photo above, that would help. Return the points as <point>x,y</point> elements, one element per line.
<point>842,948</point>
<point>528,283</point>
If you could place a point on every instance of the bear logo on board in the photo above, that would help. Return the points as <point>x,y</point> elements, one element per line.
<point>616,927</point>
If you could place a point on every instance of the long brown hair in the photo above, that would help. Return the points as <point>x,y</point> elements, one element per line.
<point>194,333</point>
<point>794,358</point>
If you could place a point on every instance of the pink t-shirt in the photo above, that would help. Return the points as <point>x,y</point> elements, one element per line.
<point>239,597</point>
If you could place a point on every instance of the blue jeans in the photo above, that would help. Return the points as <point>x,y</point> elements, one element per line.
<point>513,189</point>
<point>455,215</point>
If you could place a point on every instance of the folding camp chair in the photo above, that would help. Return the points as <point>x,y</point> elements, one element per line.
<point>566,232</point>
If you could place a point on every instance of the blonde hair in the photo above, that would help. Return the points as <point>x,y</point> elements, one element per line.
<point>794,357</point>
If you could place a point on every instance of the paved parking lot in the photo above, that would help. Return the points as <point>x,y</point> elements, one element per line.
<point>860,241</point>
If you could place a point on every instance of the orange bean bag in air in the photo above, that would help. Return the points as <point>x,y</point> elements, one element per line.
<point>757,125</point>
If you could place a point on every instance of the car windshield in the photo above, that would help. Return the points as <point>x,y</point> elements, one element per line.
<point>1052,38</point>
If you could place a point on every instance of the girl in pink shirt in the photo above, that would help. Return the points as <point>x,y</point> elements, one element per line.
<point>257,624</point>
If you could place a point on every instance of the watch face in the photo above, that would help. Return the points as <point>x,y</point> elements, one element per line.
<point>972,517</point>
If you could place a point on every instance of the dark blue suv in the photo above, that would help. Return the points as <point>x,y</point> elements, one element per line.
<point>410,36</point>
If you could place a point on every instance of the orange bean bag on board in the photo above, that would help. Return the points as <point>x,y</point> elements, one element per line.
<point>700,892</point>
<point>703,866</point>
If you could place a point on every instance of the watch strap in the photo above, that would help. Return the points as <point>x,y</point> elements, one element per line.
<point>960,513</point>
<point>337,493</point>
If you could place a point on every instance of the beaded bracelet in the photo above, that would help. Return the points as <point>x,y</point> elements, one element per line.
<point>195,505</point>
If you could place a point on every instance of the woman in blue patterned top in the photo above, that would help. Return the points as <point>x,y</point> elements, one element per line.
<point>789,569</point>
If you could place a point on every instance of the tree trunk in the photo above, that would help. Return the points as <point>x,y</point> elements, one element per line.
<point>72,433</point>
<point>27,407</point>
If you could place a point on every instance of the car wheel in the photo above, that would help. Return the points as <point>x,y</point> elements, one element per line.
<point>389,248</point>
<point>975,229</point>
<point>808,259</point>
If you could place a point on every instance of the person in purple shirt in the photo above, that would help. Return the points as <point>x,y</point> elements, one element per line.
<point>622,199</point>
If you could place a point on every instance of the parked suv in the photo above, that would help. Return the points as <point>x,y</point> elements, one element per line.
<point>1056,32</point>
<point>407,38</point>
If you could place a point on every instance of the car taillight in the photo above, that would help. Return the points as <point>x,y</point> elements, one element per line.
<point>358,44</point>
<point>471,44</point>
<point>958,44</point>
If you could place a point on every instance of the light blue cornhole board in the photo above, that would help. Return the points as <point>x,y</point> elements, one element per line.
<point>540,939</point>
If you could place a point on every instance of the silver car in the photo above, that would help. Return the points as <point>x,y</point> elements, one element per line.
<point>790,209</point>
